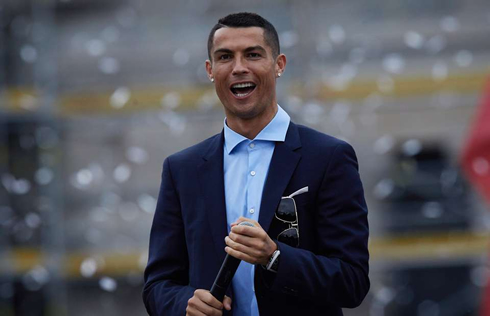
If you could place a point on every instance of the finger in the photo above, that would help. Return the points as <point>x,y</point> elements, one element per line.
<point>196,307</point>
<point>201,308</point>
<point>254,247</point>
<point>203,302</point>
<point>243,240</point>
<point>252,251</point>
<point>227,303</point>
<point>244,219</point>
<point>208,298</point>
<point>247,230</point>
<point>190,311</point>
<point>234,245</point>
<point>240,255</point>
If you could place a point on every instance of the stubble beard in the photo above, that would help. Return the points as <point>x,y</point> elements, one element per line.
<point>254,112</point>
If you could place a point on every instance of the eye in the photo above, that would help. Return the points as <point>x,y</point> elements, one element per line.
<point>224,57</point>
<point>254,55</point>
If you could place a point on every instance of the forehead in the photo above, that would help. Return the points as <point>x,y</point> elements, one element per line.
<point>236,38</point>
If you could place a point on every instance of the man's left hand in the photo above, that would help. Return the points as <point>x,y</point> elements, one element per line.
<point>250,244</point>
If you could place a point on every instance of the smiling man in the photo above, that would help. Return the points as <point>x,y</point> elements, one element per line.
<point>306,253</point>
<point>244,67</point>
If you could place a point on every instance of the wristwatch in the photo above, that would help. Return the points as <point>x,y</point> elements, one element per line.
<point>273,261</point>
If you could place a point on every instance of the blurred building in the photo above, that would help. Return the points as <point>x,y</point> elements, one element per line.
<point>95,94</point>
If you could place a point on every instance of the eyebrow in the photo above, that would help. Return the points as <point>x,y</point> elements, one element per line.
<point>222,51</point>
<point>258,47</point>
<point>248,49</point>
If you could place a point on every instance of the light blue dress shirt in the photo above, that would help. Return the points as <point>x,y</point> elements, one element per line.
<point>246,163</point>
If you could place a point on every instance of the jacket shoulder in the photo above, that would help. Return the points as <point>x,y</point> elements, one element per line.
<point>311,138</point>
<point>195,152</point>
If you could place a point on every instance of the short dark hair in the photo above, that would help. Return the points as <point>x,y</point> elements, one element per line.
<point>247,19</point>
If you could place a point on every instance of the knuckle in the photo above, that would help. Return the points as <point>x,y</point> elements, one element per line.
<point>258,245</point>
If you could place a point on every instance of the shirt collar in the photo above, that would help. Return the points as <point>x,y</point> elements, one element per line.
<point>274,131</point>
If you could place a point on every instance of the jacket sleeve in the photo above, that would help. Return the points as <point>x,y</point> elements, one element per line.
<point>166,290</point>
<point>337,273</point>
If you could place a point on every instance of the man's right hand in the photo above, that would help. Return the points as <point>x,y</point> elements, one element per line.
<point>204,303</point>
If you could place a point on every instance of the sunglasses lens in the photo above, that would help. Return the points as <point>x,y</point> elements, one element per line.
<point>289,237</point>
<point>287,210</point>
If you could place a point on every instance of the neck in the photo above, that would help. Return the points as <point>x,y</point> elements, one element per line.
<point>250,128</point>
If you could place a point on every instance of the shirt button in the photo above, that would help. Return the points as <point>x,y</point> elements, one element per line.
<point>252,145</point>
<point>252,211</point>
<point>252,173</point>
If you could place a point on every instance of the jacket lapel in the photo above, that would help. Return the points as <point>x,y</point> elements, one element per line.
<point>283,164</point>
<point>212,185</point>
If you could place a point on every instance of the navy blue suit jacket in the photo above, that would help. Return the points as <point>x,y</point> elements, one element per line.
<point>329,269</point>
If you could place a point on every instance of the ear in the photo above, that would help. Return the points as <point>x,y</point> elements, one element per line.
<point>280,63</point>
<point>209,69</point>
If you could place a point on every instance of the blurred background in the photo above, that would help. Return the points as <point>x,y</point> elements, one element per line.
<point>94,94</point>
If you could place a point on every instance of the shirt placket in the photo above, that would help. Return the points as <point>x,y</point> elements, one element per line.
<point>252,179</point>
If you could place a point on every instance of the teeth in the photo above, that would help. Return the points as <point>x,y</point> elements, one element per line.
<point>243,85</point>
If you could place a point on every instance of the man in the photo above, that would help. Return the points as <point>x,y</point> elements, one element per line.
<point>242,174</point>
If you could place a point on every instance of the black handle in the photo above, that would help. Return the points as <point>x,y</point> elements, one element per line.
<point>218,292</point>
<point>224,277</point>
<point>226,273</point>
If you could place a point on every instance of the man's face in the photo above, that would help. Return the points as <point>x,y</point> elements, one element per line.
<point>244,72</point>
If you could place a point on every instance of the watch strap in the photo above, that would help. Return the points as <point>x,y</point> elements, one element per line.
<point>273,261</point>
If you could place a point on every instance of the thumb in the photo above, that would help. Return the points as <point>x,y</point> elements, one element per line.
<point>227,303</point>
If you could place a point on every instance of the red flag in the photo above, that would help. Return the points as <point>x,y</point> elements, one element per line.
<point>476,153</point>
<point>476,165</point>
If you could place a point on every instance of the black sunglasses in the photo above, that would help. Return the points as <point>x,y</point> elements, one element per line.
<point>286,212</point>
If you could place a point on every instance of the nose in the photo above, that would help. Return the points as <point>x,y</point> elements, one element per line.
<point>240,67</point>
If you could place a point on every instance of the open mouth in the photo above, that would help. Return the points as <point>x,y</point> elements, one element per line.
<point>242,90</point>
